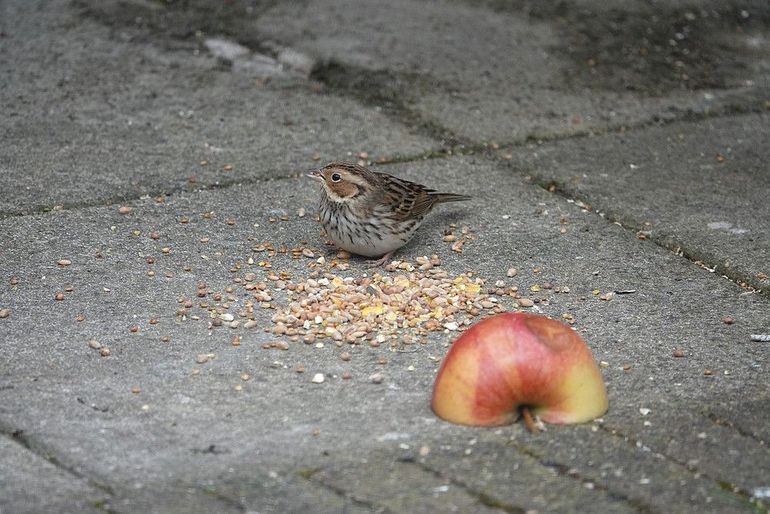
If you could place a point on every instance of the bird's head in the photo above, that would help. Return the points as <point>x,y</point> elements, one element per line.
<point>345,182</point>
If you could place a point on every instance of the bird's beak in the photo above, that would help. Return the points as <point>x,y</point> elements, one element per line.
<point>315,174</point>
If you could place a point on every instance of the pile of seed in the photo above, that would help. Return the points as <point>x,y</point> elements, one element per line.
<point>413,298</point>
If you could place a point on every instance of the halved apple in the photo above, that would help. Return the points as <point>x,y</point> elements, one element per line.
<point>514,362</point>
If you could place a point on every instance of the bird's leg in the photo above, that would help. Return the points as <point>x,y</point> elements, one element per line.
<point>381,261</point>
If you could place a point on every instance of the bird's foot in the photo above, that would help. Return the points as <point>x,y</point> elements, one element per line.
<point>381,261</point>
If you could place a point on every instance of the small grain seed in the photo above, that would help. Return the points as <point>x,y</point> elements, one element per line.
<point>449,238</point>
<point>245,377</point>
<point>94,344</point>
<point>104,352</point>
<point>728,320</point>
<point>512,272</point>
<point>202,358</point>
<point>307,252</point>
<point>64,262</point>
<point>345,356</point>
<point>376,378</point>
<point>59,297</point>
<point>678,353</point>
<point>133,329</point>
<point>235,341</point>
<point>708,372</point>
<point>4,313</point>
<point>14,281</point>
<point>525,302</point>
<point>250,324</point>
<point>346,375</point>
<point>165,339</point>
<point>136,390</point>
<point>124,209</point>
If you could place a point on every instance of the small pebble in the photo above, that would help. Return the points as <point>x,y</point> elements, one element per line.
<point>512,272</point>
<point>318,378</point>
<point>376,378</point>
<point>202,358</point>
<point>4,313</point>
<point>678,353</point>
<point>64,262</point>
<point>728,320</point>
<point>59,297</point>
<point>346,375</point>
<point>124,209</point>
<point>136,390</point>
<point>525,302</point>
<point>345,356</point>
<point>94,344</point>
<point>104,352</point>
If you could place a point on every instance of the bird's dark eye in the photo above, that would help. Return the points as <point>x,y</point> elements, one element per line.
<point>336,177</point>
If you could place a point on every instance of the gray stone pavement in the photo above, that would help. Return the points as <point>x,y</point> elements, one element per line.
<point>627,186</point>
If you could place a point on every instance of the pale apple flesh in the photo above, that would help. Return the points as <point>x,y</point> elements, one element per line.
<point>516,360</point>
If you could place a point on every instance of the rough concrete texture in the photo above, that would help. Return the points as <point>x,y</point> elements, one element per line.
<point>187,416</point>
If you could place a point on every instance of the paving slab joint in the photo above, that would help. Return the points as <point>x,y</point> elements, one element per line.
<point>740,494</point>
<point>751,284</point>
<point>312,476</point>
<point>28,443</point>
<point>566,471</point>
<point>482,497</point>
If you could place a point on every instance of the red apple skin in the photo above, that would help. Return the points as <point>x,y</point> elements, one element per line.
<point>519,359</point>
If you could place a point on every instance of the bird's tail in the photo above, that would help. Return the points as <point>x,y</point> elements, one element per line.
<point>449,197</point>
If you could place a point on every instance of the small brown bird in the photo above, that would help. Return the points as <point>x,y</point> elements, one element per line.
<point>371,213</point>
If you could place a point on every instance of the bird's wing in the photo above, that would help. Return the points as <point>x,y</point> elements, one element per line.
<point>405,199</point>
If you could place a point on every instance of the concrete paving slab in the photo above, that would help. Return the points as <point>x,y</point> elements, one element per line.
<point>194,421</point>
<point>92,115</point>
<point>509,73</point>
<point>29,483</point>
<point>697,188</point>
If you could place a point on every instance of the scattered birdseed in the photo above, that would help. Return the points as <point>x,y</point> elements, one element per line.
<point>136,390</point>
<point>64,262</point>
<point>708,372</point>
<point>59,297</point>
<point>678,353</point>
<point>124,209</point>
